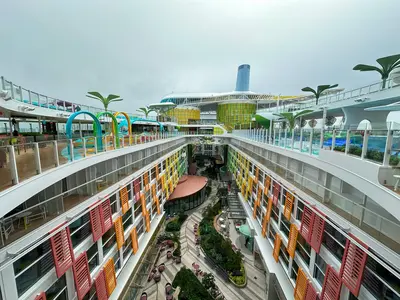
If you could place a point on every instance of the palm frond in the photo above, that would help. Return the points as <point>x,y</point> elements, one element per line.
<point>96,95</point>
<point>367,68</point>
<point>388,61</point>
<point>112,97</point>
<point>115,100</point>
<point>302,113</point>
<point>308,89</point>
<point>322,88</point>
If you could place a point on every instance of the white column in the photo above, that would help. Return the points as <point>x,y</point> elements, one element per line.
<point>347,142</point>
<point>388,146</point>
<point>71,149</point>
<point>311,139</point>
<point>37,158</point>
<point>84,146</point>
<point>55,153</point>
<point>365,144</point>
<point>8,283</point>
<point>321,141</point>
<point>284,141</point>
<point>292,145</point>
<point>301,140</point>
<point>13,164</point>
<point>333,139</point>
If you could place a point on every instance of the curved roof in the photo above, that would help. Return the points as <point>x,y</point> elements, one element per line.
<point>188,185</point>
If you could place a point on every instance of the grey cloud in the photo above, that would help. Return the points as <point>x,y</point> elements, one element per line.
<point>143,50</point>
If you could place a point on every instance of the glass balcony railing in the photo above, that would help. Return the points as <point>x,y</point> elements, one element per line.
<point>380,146</point>
<point>379,227</point>
<point>19,162</point>
<point>50,203</point>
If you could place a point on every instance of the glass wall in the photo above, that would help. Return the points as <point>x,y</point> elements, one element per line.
<point>187,203</point>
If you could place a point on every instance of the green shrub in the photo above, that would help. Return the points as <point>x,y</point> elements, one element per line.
<point>191,287</point>
<point>340,148</point>
<point>355,150</point>
<point>394,160</point>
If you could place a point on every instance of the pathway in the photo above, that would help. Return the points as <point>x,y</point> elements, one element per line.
<point>255,289</point>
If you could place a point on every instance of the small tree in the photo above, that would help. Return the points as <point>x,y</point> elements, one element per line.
<point>145,110</point>
<point>320,90</point>
<point>388,64</point>
<point>104,100</point>
<point>291,118</point>
<point>208,281</point>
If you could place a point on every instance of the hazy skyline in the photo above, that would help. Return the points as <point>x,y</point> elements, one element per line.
<point>143,50</point>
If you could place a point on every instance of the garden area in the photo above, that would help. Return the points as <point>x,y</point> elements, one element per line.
<point>219,249</point>
<point>191,287</point>
<point>175,223</point>
<point>371,154</point>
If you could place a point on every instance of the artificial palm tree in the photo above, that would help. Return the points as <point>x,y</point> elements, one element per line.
<point>388,64</point>
<point>320,90</point>
<point>145,110</point>
<point>291,118</point>
<point>105,100</point>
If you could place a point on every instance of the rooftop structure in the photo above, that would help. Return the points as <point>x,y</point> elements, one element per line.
<point>79,212</point>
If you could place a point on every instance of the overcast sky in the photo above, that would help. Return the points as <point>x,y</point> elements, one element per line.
<point>143,50</point>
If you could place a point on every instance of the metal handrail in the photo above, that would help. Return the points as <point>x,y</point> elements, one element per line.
<point>333,98</point>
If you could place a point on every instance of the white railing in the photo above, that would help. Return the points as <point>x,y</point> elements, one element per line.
<point>333,98</point>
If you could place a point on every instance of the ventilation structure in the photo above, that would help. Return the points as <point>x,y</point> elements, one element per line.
<point>317,232</point>
<point>292,240</point>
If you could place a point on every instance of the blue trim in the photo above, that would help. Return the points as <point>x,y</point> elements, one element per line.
<point>98,132</point>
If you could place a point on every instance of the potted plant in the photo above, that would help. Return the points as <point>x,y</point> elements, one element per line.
<point>161,268</point>
<point>169,254</point>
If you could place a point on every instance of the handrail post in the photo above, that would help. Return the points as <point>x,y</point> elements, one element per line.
<point>55,153</point>
<point>292,142</point>
<point>37,158</point>
<point>270,133</point>
<point>284,141</point>
<point>13,164</point>
<point>95,144</point>
<point>12,90</point>
<point>388,146</point>
<point>84,146</point>
<point>30,97</point>
<point>365,144</point>
<point>71,148</point>
<point>311,140</point>
<point>333,139</point>
<point>347,142</point>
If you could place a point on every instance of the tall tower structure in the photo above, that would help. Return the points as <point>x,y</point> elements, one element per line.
<point>243,78</point>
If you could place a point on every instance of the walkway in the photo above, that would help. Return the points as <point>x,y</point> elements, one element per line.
<point>255,289</point>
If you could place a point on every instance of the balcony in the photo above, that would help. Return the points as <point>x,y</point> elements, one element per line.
<point>68,193</point>
<point>20,162</point>
<point>363,213</point>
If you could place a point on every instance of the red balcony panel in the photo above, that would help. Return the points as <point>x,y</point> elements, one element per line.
<point>106,215</point>
<point>62,251</point>
<point>41,296</point>
<point>96,221</point>
<point>311,293</point>
<point>82,275</point>
<point>100,284</point>
<point>307,221</point>
<point>353,264</point>
<point>332,285</point>
<point>317,232</point>
<point>277,189</point>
